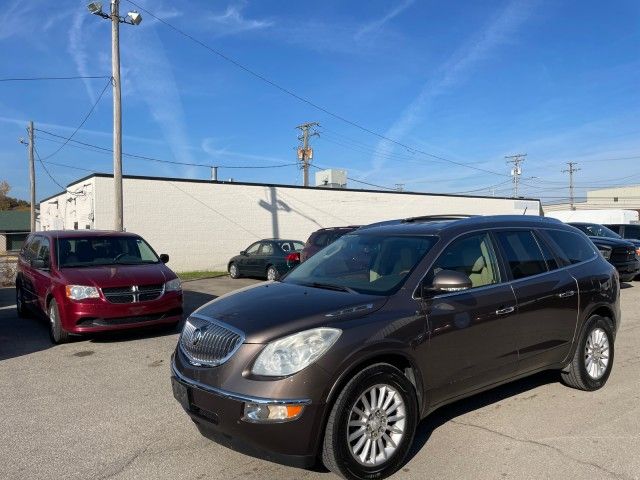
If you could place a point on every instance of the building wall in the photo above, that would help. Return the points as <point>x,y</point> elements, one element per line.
<point>627,198</point>
<point>75,206</point>
<point>202,225</point>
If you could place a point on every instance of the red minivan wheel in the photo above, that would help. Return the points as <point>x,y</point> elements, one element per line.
<point>56,332</point>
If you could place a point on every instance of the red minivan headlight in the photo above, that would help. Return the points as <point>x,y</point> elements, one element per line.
<point>80,292</point>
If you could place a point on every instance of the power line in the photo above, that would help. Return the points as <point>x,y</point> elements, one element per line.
<point>306,100</point>
<point>86,117</point>
<point>34,79</point>
<point>100,149</point>
<point>44,167</point>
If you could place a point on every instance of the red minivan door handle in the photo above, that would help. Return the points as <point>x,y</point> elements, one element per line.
<point>505,311</point>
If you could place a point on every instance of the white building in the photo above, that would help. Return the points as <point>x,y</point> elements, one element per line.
<point>627,198</point>
<point>203,223</point>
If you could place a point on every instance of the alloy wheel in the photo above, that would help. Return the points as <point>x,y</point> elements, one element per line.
<point>596,355</point>
<point>272,273</point>
<point>377,424</point>
<point>233,271</point>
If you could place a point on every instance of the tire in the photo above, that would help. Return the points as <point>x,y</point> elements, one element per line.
<point>56,332</point>
<point>272,273</point>
<point>234,271</point>
<point>583,374</point>
<point>339,453</point>
<point>21,307</point>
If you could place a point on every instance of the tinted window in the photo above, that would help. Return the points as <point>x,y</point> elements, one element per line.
<point>89,251</point>
<point>574,247</point>
<point>321,239</point>
<point>372,264</point>
<point>595,230</point>
<point>615,228</point>
<point>522,253</point>
<point>632,231</point>
<point>473,256</point>
<point>552,263</point>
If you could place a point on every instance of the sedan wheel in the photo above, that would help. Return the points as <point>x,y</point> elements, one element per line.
<point>272,273</point>
<point>233,271</point>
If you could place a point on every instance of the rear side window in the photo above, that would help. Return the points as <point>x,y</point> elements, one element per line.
<point>574,247</point>
<point>321,240</point>
<point>615,228</point>
<point>522,253</point>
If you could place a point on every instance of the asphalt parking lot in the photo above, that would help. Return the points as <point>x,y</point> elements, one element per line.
<point>102,408</point>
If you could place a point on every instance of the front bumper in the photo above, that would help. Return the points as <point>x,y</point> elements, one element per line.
<point>100,315</point>
<point>628,270</point>
<point>218,414</point>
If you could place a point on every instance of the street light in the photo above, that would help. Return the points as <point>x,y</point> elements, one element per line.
<point>132,18</point>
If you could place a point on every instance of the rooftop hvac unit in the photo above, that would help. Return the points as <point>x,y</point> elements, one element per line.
<point>332,178</point>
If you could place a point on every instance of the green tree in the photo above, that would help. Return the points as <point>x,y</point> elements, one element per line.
<point>7,202</point>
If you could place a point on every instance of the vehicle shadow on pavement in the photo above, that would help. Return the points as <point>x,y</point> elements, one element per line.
<point>481,400</point>
<point>192,301</point>
<point>624,285</point>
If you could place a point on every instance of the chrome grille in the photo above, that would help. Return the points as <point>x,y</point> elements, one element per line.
<point>206,342</point>
<point>134,293</point>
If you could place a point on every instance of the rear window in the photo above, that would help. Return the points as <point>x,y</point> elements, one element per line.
<point>523,255</point>
<point>321,239</point>
<point>575,248</point>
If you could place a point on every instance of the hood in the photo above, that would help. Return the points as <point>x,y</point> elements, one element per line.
<point>611,242</point>
<point>117,275</point>
<point>274,309</point>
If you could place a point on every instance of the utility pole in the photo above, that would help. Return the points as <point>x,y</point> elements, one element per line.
<point>32,178</point>
<point>516,171</point>
<point>117,116</point>
<point>305,154</point>
<point>571,170</point>
<point>132,18</point>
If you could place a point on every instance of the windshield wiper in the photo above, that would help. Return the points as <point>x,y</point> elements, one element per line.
<point>331,286</point>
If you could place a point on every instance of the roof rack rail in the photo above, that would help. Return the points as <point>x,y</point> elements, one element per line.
<point>437,217</point>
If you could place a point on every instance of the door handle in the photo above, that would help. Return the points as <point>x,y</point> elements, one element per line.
<point>568,294</point>
<point>505,311</point>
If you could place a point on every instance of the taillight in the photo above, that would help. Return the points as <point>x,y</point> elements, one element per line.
<point>293,257</point>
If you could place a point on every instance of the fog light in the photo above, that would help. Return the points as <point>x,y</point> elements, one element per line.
<point>271,413</point>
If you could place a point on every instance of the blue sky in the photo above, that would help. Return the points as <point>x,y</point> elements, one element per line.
<point>467,81</point>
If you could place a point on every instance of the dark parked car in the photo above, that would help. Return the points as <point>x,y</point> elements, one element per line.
<point>323,237</point>
<point>93,281</point>
<point>270,258</point>
<point>621,253</point>
<point>627,231</point>
<point>341,364</point>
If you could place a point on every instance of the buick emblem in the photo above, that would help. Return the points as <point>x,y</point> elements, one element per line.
<point>197,335</point>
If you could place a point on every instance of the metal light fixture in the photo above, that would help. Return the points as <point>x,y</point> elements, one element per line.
<point>95,8</point>
<point>134,18</point>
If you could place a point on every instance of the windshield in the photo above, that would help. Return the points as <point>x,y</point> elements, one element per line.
<point>595,230</point>
<point>363,263</point>
<point>93,251</point>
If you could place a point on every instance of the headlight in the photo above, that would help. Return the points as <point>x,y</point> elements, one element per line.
<point>173,285</point>
<point>80,292</point>
<point>605,253</point>
<point>291,354</point>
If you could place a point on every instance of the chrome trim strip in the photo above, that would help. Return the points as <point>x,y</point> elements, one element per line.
<point>233,396</point>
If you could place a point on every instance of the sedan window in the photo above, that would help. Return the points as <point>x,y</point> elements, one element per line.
<point>266,248</point>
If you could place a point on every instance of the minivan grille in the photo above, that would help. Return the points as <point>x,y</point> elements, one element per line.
<point>623,254</point>
<point>207,342</point>
<point>134,293</point>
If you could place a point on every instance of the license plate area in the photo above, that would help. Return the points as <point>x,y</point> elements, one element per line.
<point>182,394</point>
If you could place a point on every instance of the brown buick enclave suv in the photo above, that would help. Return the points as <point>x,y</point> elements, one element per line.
<point>342,358</point>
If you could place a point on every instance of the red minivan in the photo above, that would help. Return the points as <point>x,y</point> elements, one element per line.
<point>93,281</point>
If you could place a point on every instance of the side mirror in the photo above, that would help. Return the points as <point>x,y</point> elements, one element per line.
<point>447,281</point>
<point>243,253</point>
<point>164,258</point>
<point>39,264</point>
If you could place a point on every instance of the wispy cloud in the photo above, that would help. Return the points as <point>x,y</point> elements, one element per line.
<point>496,33</point>
<point>233,21</point>
<point>210,147</point>
<point>78,52</point>
<point>377,24</point>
